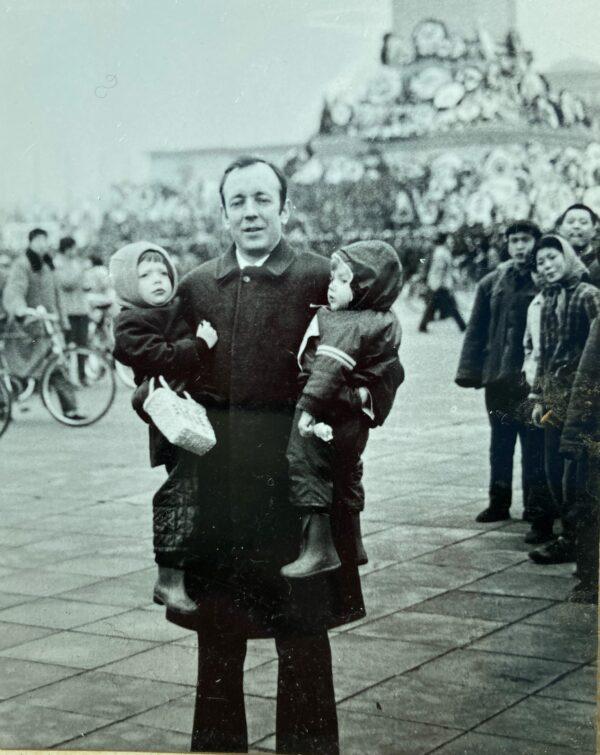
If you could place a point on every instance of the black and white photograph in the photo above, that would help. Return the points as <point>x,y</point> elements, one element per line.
<point>300,376</point>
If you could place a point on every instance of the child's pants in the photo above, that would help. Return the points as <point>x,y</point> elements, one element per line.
<point>323,473</point>
<point>175,505</point>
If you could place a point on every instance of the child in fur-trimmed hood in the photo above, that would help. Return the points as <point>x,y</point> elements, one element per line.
<point>351,372</point>
<point>153,338</point>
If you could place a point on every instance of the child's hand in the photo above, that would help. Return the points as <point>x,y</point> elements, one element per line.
<point>537,414</point>
<point>323,432</point>
<point>305,424</point>
<point>207,333</point>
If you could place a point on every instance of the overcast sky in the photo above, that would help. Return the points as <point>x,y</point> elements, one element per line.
<point>193,73</point>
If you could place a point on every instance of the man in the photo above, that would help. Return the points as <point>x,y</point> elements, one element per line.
<point>440,282</point>
<point>30,284</point>
<point>258,297</point>
<point>492,357</point>
<point>70,274</point>
<point>578,225</point>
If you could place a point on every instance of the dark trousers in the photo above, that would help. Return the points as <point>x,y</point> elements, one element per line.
<point>321,473</point>
<point>174,510</point>
<point>587,524</point>
<point>78,334</point>
<point>561,474</point>
<point>444,301</point>
<point>508,412</point>
<point>306,718</point>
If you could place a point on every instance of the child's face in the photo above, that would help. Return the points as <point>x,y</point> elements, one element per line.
<point>551,264</point>
<point>154,284</point>
<point>339,293</point>
<point>537,278</point>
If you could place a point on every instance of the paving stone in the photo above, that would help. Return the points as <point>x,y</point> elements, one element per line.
<point>475,668</point>
<point>542,642</point>
<point>139,624</point>
<point>56,613</point>
<point>17,634</point>
<point>489,744</point>
<point>126,736</point>
<point>441,631</point>
<point>100,566</point>
<point>521,584</point>
<point>12,599</point>
<point>473,554</point>
<point>109,696</point>
<point>574,616</point>
<point>36,582</point>
<point>14,537</point>
<point>51,726</point>
<point>132,590</point>
<point>411,697</point>
<point>167,663</point>
<point>361,733</point>
<point>562,722</point>
<point>429,575</point>
<point>501,608</point>
<point>76,649</point>
<point>578,685</point>
<point>18,676</point>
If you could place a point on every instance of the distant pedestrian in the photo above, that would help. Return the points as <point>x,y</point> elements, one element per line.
<point>441,284</point>
<point>70,275</point>
<point>492,357</point>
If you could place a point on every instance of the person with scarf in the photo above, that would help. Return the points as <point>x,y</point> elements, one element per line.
<point>570,304</point>
<point>492,357</point>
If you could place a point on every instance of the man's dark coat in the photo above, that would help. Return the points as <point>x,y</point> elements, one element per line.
<point>248,528</point>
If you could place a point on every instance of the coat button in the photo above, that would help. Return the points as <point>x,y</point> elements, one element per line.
<point>246,279</point>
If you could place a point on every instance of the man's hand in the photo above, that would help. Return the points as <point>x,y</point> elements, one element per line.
<point>537,414</point>
<point>207,333</point>
<point>305,424</point>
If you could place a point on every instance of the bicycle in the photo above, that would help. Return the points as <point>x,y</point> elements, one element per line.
<point>100,338</point>
<point>76,384</point>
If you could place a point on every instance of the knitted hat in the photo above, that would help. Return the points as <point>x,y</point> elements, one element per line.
<point>123,269</point>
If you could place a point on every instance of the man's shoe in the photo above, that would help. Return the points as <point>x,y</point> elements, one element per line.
<point>559,551</point>
<point>492,515</point>
<point>538,537</point>
<point>317,554</point>
<point>584,593</point>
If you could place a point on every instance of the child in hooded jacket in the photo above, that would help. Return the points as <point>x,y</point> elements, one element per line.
<point>570,305</point>
<point>351,372</point>
<point>153,338</point>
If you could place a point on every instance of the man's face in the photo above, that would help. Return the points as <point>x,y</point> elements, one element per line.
<point>520,246</point>
<point>577,228</point>
<point>39,244</point>
<point>251,211</point>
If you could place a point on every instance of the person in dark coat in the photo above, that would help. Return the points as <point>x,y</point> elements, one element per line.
<point>492,357</point>
<point>257,295</point>
<point>580,440</point>
<point>570,305</point>
<point>578,225</point>
<point>154,340</point>
<point>351,371</point>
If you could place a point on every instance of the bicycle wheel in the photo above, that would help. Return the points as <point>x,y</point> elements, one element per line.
<point>5,406</point>
<point>78,386</point>
<point>125,374</point>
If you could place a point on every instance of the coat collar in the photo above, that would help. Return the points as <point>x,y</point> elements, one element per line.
<point>35,260</point>
<point>275,265</point>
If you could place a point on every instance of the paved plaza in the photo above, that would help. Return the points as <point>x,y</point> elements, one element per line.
<point>467,647</point>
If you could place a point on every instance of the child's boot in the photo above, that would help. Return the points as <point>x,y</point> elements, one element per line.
<point>361,553</point>
<point>317,554</point>
<point>169,591</point>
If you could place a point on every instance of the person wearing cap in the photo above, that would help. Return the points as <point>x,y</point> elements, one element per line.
<point>492,358</point>
<point>578,225</point>
<point>154,340</point>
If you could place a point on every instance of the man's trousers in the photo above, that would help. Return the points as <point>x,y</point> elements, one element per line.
<point>306,718</point>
